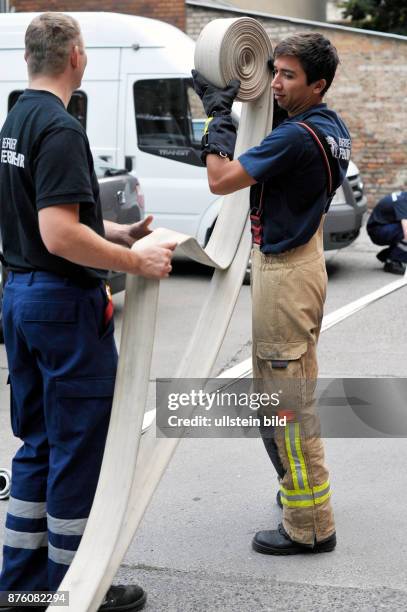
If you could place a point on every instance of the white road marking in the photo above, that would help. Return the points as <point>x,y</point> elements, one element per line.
<point>244,369</point>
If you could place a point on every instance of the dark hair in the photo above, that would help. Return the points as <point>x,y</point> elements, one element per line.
<point>316,54</point>
<point>48,41</point>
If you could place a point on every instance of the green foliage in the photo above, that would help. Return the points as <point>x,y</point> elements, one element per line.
<point>382,15</point>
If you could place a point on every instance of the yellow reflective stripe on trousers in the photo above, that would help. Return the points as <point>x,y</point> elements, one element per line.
<point>305,498</point>
<point>295,456</point>
<point>301,496</point>
<point>297,440</point>
<point>304,503</point>
<point>320,488</point>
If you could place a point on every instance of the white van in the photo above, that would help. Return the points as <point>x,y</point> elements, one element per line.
<point>140,111</point>
<point>137,105</point>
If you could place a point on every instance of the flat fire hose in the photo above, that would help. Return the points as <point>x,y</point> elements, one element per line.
<point>132,467</point>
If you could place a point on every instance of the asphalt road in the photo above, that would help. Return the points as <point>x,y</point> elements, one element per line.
<point>192,551</point>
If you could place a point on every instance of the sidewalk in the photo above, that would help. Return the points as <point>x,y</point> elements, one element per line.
<point>192,551</point>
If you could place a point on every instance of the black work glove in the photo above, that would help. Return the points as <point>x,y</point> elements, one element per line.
<point>215,101</point>
<point>219,137</point>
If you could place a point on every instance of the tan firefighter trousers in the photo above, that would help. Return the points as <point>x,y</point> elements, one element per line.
<point>288,292</point>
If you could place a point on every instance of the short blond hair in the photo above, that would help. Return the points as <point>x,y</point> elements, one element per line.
<point>48,42</point>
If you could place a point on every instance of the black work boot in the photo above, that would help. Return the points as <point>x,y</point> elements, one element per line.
<point>383,255</point>
<point>394,267</point>
<point>126,598</point>
<point>278,542</point>
<point>117,599</point>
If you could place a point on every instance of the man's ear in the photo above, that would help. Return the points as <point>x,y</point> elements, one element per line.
<point>25,56</point>
<point>74,56</point>
<point>319,86</point>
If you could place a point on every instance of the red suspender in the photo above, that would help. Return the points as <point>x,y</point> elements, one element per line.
<point>321,147</point>
<point>256,214</point>
<point>255,219</point>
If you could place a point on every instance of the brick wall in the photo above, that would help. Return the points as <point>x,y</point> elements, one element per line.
<point>171,11</point>
<point>369,92</point>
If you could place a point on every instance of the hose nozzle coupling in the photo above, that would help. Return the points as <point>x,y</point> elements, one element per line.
<point>5,483</point>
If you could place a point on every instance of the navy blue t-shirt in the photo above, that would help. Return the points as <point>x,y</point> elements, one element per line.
<point>288,166</point>
<point>45,160</point>
<point>390,209</point>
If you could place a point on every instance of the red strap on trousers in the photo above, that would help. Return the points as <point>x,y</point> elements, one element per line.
<point>256,221</point>
<point>257,228</point>
<point>109,310</point>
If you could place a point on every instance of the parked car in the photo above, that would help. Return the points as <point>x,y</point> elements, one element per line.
<point>122,201</point>
<point>345,216</point>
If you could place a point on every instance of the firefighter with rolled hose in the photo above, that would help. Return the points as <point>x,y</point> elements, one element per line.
<point>292,174</point>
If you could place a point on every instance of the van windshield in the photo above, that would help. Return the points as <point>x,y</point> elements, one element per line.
<point>169,119</point>
<point>77,106</point>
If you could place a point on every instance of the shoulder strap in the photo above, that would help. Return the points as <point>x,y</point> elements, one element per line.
<point>326,154</point>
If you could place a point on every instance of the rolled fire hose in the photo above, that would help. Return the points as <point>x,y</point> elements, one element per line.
<point>5,483</point>
<point>132,468</point>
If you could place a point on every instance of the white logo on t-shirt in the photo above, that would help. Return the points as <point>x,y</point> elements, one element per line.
<point>9,154</point>
<point>339,150</point>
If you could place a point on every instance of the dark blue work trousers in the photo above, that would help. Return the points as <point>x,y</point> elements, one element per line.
<point>62,365</point>
<point>388,234</point>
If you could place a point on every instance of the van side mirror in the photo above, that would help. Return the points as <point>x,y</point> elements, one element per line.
<point>128,163</point>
